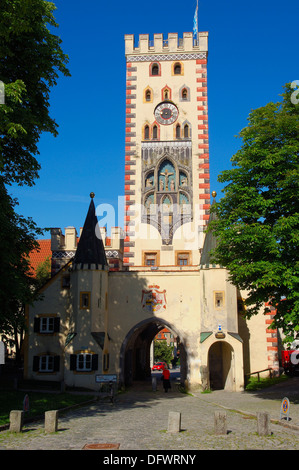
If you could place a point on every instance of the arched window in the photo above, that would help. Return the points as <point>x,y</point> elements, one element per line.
<point>166,176</point>
<point>146,133</point>
<point>148,95</point>
<point>186,131</point>
<point>166,93</point>
<point>184,94</point>
<point>178,131</point>
<point>155,69</point>
<point>155,132</point>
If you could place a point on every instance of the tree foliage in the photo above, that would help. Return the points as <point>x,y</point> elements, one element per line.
<point>31,59</point>
<point>163,352</point>
<point>18,287</point>
<point>257,220</point>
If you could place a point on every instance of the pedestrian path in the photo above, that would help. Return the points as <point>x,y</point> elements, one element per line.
<point>139,421</point>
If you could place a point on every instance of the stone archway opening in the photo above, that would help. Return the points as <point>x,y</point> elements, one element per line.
<point>137,357</point>
<point>221,366</point>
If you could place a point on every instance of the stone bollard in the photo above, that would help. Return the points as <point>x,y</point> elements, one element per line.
<point>16,419</point>
<point>220,422</point>
<point>263,424</point>
<point>51,421</point>
<point>174,421</point>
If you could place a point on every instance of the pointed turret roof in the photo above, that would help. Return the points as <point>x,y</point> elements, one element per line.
<point>90,248</point>
<point>210,242</point>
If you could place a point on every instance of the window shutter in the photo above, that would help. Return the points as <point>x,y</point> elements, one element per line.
<point>36,327</point>
<point>35,363</point>
<point>56,363</point>
<point>73,361</point>
<point>94,364</point>
<point>56,324</point>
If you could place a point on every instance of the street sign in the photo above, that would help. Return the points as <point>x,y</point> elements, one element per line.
<point>103,378</point>
<point>285,408</point>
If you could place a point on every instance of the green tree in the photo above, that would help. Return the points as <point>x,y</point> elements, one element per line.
<point>162,352</point>
<point>257,220</point>
<point>31,60</point>
<point>18,287</point>
<point>43,272</point>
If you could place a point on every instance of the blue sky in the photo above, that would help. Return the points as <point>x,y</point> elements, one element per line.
<point>253,52</point>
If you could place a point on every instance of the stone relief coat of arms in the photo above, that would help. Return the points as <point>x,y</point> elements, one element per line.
<point>153,299</point>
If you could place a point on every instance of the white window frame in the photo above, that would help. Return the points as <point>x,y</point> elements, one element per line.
<point>47,324</point>
<point>46,363</point>
<point>84,362</point>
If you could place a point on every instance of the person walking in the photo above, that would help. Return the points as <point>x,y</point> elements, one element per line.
<point>166,379</point>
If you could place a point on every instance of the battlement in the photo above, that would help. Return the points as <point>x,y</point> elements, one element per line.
<point>172,44</point>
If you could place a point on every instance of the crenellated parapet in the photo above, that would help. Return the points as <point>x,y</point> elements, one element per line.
<point>173,43</point>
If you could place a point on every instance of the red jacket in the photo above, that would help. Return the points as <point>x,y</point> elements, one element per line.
<point>166,374</point>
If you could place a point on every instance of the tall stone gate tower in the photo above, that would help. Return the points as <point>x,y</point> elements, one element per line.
<point>167,180</point>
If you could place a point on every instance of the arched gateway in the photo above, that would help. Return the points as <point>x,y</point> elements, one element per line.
<point>135,354</point>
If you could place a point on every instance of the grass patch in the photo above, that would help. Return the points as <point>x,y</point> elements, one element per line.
<point>38,403</point>
<point>255,384</point>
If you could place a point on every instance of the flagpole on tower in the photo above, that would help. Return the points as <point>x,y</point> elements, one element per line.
<point>195,25</point>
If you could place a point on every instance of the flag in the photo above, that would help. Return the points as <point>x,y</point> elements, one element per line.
<point>195,23</point>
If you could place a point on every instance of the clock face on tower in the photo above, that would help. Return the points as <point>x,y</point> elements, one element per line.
<point>166,113</point>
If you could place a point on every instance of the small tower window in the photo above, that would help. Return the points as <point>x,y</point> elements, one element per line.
<point>84,300</point>
<point>177,69</point>
<point>184,94</point>
<point>146,133</point>
<point>155,69</point>
<point>155,132</point>
<point>148,95</point>
<point>166,93</point>
<point>178,131</point>
<point>219,299</point>
<point>186,131</point>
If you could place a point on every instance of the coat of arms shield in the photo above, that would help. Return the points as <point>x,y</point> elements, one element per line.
<point>153,299</point>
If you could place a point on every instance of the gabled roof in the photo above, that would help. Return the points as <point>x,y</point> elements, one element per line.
<point>90,249</point>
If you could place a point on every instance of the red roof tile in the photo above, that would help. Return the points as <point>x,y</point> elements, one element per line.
<point>40,255</point>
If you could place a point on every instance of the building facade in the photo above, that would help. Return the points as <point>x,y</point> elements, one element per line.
<point>94,320</point>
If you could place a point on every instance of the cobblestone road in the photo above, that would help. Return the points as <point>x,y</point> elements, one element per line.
<point>139,420</point>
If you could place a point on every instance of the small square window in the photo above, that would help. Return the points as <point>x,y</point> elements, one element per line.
<point>183,259</point>
<point>47,324</point>
<point>150,259</point>
<point>46,364</point>
<point>219,299</point>
<point>84,300</point>
<point>84,362</point>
